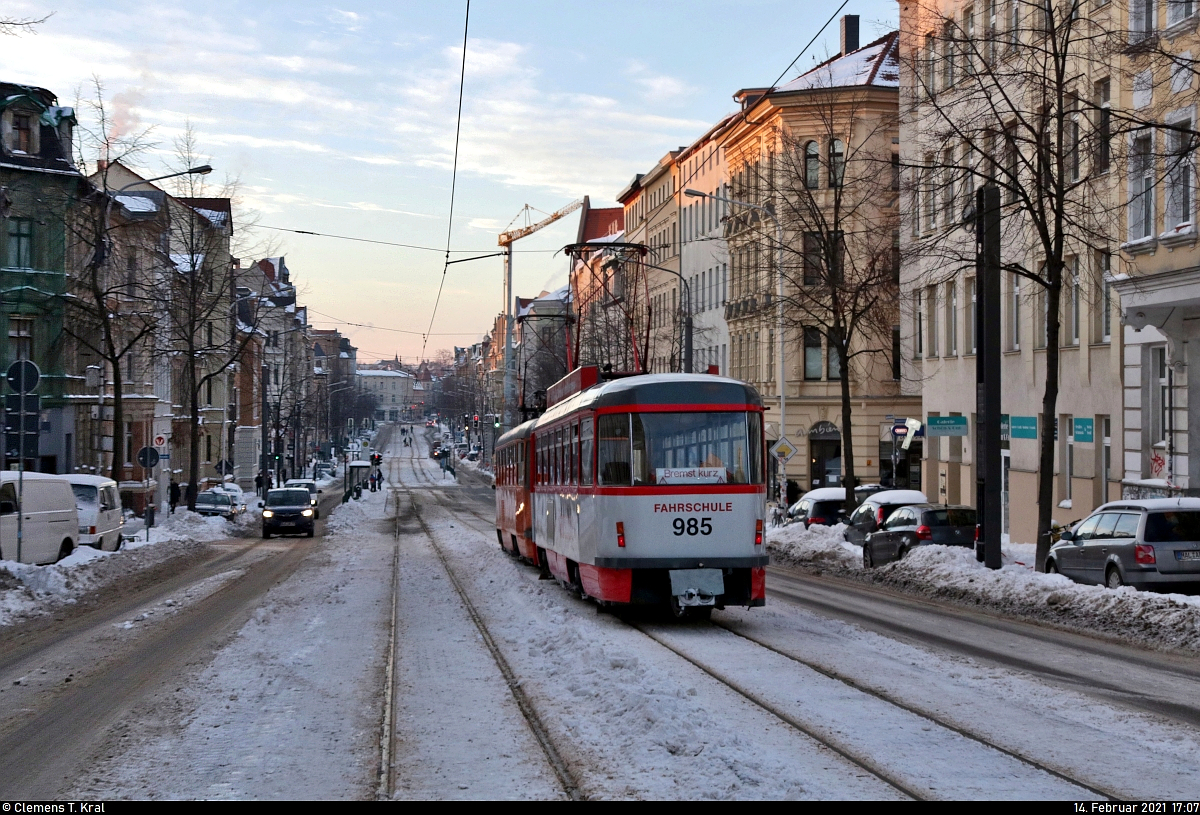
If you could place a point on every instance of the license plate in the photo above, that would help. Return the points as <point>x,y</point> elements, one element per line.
<point>288,523</point>
<point>1191,554</point>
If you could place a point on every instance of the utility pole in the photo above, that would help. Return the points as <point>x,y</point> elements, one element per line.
<point>987,375</point>
<point>265,407</point>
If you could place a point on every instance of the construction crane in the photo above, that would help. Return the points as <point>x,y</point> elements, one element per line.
<point>506,241</point>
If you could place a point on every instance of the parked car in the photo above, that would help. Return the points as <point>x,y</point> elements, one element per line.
<point>1147,544</point>
<point>50,525</point>
<point>919,525</point>
<point>98,504</point>
<point>824,506</point>
<point>235,492</point>
<point>314,493</point>
<point>216,503</point>
<point>876,508</point>
<point>287,511</point>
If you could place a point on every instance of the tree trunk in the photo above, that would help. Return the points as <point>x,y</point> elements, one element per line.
<point>1049,408</point>
<point>193,434</point>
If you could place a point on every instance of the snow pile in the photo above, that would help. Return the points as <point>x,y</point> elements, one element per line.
<point>817,544</point>
<point>27,590</point>
<point>1163,621</point>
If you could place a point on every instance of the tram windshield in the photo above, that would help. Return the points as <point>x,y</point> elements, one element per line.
<point>643,449</point>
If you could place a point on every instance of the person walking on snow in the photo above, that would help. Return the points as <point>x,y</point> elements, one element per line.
<point>173,495</point>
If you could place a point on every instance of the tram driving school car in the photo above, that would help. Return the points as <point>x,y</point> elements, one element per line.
<point>641,490</point>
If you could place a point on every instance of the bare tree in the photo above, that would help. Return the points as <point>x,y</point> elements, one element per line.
<point>15,26</point>
<point>197,297</point>
<point>826,174</point>
<point>1000,95</point>
<point>108,311</point>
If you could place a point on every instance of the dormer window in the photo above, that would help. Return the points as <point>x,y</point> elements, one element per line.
<point>21,132</point>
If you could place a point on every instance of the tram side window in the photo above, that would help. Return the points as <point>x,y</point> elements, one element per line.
<point>586,448</point>
<point>574,454</point>
<point>612,445</point>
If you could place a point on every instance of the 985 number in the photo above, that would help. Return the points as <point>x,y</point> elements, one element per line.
<point>692,526</point>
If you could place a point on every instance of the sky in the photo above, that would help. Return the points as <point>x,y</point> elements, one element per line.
<point>340,119</point>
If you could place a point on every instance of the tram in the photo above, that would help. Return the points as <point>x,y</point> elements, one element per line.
<point>646,489</point>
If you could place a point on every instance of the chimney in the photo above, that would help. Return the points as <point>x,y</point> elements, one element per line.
<point>849,33</point>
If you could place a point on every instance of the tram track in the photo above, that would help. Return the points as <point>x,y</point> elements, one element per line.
<point>537,728</point>
<point>870,765</point>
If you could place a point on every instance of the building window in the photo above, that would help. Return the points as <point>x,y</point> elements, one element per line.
<point>812,165</point>
<point>948,54</point>
<point>1014,313</point>
<point>23,139</point>
<point>812,259</point>
<point>1104,298</point>
<point>1178,10</point>
<point>20,243</point>
<point>1159,395</point>
<point>1074,305</point>
<point>812,353</point>
<point>837,162</point>
<point>1141,189</point>
<point>896,353</point>
<point>1069,469</point>
<point>833,362</point>
<point>1179,175</point>
<point>968,25</point>
<point>972,329</point>
<point>931,304</point>
<point>919,327</point>
<point>1103,94</point>
<point>1072,139</point>
<point>951,319</point>
<point>20,337</point>
<point>1141,19</point>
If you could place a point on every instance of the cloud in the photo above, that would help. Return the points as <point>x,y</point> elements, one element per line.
<point>657,88</point>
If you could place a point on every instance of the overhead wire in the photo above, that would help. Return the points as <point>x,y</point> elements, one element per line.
<point>453,177</point>
<point>385,243</point>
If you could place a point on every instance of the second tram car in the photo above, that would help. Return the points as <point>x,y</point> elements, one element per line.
<point>645,489</point>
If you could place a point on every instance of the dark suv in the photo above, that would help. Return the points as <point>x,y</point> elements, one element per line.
<point>287,511</point>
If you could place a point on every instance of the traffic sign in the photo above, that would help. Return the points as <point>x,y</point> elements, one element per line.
<point>783,450</point>
<point>147,457</point>
<point>160,441</point>
<point>23,376</point>
<point>899,430</point>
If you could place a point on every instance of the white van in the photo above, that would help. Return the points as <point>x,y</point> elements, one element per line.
<point>49,520</point>
<point>99,506</point>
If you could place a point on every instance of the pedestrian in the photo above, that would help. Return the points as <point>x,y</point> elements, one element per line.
<point>258,483</point>
<point>173,495</point>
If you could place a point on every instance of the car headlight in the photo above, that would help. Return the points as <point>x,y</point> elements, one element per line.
<point>307,513</point>
<point>268,513</point>
<point>312,502</point>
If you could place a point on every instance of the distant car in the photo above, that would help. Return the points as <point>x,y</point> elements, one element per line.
<point>919,525</point>
<point>287,511</point>
<point>824,506</point>
<point>311,486</point>
<point>212,502</point>
<point>1147,544</point>
<point>877,508</point>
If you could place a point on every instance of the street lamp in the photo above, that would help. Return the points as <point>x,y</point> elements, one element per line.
<point>779,374</point>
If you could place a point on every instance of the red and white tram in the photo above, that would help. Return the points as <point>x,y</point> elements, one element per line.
<point>645,489</point>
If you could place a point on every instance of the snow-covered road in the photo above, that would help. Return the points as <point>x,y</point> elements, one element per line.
<point>528,692</point>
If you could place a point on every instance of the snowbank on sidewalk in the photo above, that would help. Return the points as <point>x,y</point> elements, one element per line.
<point>27,590</point>
<point>817,544</point>
<point>1162,621</point>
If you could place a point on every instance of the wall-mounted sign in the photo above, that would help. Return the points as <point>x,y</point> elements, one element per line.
<point>1085,430</point>
<point>1023,427</point>
<point>946,426</point>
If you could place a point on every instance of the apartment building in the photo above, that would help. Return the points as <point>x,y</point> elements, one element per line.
<point>1021,96</point>
<point>817,152</point>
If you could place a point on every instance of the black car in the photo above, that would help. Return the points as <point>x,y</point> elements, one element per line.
<point>824,506</point>
<point>876,508</point>
<point>919,525</point>
<point>287,511</point>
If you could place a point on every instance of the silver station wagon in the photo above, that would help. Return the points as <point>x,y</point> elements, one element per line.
<point>1148,544</point>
